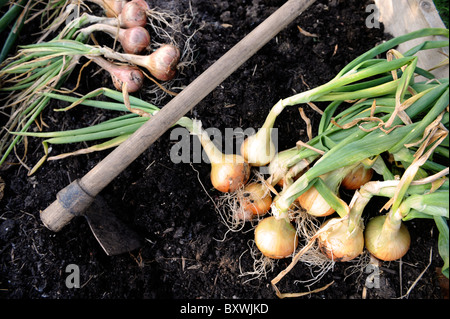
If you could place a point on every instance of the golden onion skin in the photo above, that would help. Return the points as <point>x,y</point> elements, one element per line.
<point>386,245</point>
<point>276,238</point>
<point>256,199</point>
<point>314,203</point>
<point>338,244</point>
<point>230,174</point>
<point>357,178</point>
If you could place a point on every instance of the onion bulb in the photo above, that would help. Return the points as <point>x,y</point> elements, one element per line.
<point>387,239</point>
<point>259,149</point>
<point>112,8</point>
<point>314,203</point>
<point>133,40</point>
<point>255,200</point>
<point>357,177</point>
<point>338,243</point>
<point>132,15</point>
<point>229,172</point>
<point>132,75</point>
<point>276,238</point>
<point>162,63</point>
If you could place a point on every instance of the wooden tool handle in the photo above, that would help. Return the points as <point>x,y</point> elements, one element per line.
<point>113,164</point>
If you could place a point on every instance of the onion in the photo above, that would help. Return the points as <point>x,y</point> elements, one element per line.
<point>387,239</point>
<point>229,172</point>
<point>338,243</point>
<point>132,15</point>
<point>259,149</point>
<point>357,177</point>
<point>276,238</point>
<point>255,200</point>
<point>112,8</point>
<point>132,75</point>
<point>133,40</point>
<point>314,203</point>
<point>142,3</point>
<point>161,63</point>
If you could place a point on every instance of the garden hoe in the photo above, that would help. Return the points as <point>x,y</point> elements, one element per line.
<point>79,197</point>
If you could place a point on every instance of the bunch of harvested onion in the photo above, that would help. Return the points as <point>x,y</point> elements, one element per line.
<point>44,66</point>
<point>394,117</point>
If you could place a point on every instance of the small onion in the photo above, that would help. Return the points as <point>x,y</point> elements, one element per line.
<point>314,203</point>
<point>357,177</point>
<point>162,63</point>
<point>255,199</point>
<point>120,74</point>
<point>386,241</point>
<point>133,40</point>
<point>230,173</point>
<point>132,15</point>
<point>276,238</point>
<point>337,243</point>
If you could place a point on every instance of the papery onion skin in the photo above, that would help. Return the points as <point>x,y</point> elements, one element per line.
<point>133,76</point>
<point>135,40</point>
<point>258,149</point>
<point>338,244</point>
<point>162,63</point>
<point>142,3</point>
<point>314,203</point>
<point>276,238</point>
<point>357,178</point>
<point>133,15</point>
<point>256,199</point>
<point>229,174</point>
<point>386,244</point>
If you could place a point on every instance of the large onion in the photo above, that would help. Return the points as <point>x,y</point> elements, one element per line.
<point>385,239</point>
<point>338,243</point>
<point>276,238</point>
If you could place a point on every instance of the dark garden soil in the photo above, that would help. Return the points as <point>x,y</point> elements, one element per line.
<point>185,253</point>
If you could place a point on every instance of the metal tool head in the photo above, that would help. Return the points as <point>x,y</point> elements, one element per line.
<point>112,234</point>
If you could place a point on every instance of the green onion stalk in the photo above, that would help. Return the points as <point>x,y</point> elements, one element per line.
<point>388,131</point>
<point>44,66</point>
<point>229,172</point>
<point>349,84</point>
<point>25,77</point>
